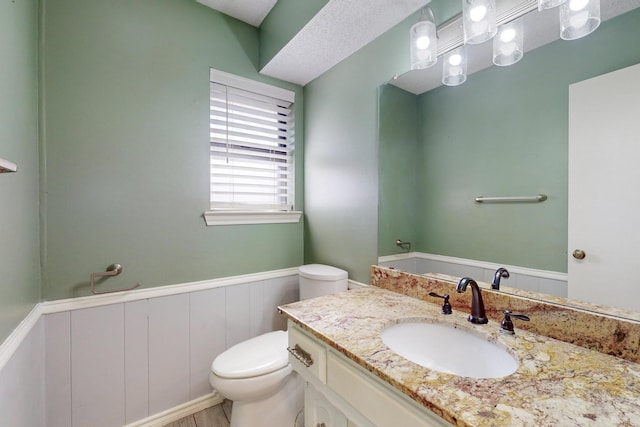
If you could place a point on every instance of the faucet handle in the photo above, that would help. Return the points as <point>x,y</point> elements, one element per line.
<point>446,307</point>
<point>506,327</point>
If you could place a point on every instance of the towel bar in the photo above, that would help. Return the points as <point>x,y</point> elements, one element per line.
<point>512,199</point>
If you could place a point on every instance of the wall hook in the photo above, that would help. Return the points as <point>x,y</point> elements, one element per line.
<point>112,270</point>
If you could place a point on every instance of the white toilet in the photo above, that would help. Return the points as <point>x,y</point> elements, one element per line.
<point>256,374</point>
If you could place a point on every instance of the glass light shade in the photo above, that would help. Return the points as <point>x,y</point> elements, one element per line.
<point>508,43</point>
<point>424,42</point>
<point>454,67</point>
<point>478,20</point>
<point>549,4</point>
<point>579,18</point>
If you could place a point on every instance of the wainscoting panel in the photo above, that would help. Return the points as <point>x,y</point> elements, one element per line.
<point>168,352</point>
<point>136,360</point>
<point>207,335</point>
<point>58,368</point>
<point>238,313</point>
<point>22,383</point>
<point>97,366</point>
<point>278,292</point>
<point>118,359</point>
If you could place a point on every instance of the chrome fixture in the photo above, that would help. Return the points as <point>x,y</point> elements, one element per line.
<point>579,254</point>
<point>403,244</point>
<point>112,270</point>
<point>478,20</point>
<point>424,41</point>
<point>549,4</point>
<point>477,315</point>
<point>446,307</point>
<point>508,44</point>
<point>511,199</point>
<point>506,327</point>
<point>501,272</point>
<point>454,67</point>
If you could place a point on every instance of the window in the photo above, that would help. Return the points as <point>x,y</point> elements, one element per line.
<point>252,129</point>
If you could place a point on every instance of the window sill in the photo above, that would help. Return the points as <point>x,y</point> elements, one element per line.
<point>249,217</point>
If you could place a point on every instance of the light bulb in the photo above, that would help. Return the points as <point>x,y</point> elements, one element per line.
<point>508,49</point>
<point>576,5</point>
<point>507,35</point>
<point>455,59</point>
<point>477,13</point>
<point>423,42</point>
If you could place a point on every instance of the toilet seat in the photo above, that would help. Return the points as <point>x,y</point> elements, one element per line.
<point>255,357</point>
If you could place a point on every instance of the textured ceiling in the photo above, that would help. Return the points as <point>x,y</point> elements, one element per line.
<point>341,28</point>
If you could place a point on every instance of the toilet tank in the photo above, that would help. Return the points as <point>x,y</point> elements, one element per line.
<point>318,279</point>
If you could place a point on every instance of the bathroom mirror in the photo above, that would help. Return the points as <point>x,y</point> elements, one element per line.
<point>504,132</point>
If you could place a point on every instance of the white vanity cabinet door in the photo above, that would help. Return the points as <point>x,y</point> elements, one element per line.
<point>339,393</point>
<point>301,347</point>
<point>319,412</point>
<point>379,402</point>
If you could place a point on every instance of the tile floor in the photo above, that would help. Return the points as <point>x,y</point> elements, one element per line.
<point>216,416</point>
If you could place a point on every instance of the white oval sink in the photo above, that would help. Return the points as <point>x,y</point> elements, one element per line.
<point>447,349</point>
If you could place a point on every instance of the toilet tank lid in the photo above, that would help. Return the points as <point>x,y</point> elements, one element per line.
<point>257,356</point>
<point>321,272</point>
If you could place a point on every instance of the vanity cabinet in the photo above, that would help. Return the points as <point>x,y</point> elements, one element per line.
<point>343,393</point>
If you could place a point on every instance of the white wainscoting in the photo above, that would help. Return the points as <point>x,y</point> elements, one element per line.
<point>543,281</point>
<point>114,360</point>
<point>22,393</point>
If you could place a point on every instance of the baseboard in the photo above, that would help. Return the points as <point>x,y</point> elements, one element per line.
<point>178,412</point>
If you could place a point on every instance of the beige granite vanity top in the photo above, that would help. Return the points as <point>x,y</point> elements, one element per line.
<point>556,384</point>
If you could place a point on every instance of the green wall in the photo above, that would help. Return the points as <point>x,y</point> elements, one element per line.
<point>397,145</point>
<point>126,139</point>
<point>19,241</point>
<point>505,132</point>
<point>341,154</point>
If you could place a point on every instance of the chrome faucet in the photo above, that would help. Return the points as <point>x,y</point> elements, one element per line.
<point>477,315</point>
<point>501,272</point>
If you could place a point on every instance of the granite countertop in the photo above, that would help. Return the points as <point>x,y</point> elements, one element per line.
<point>556,384</point>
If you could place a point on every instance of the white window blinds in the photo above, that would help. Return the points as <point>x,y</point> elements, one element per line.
<point>251,145</point>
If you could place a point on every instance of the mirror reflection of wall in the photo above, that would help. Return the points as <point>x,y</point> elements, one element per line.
<point>502,133</point>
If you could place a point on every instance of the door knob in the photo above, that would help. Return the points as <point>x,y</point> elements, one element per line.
<point>579,254</point>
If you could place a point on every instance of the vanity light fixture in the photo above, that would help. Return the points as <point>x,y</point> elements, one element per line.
<point>508,43</point>
<point>454,67</point>
<point>478,20</point>
<point>579,18</point>
<point>549,4</point>
<point>424,43</point>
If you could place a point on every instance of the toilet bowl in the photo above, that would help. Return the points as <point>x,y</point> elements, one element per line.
<point>256,374</point>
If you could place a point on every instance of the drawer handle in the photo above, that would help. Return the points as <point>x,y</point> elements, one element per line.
<point>303,356</point>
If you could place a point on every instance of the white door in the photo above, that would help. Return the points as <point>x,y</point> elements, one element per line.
<point>604,189</point>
